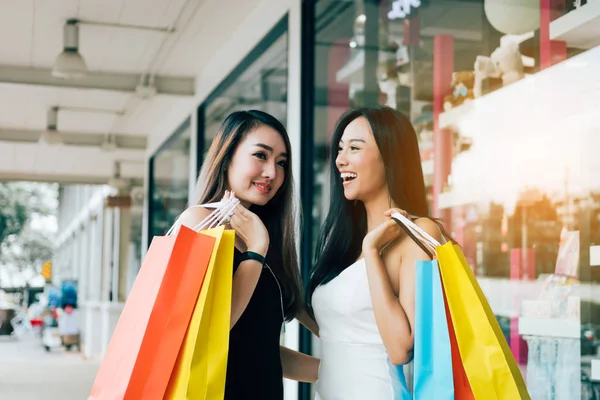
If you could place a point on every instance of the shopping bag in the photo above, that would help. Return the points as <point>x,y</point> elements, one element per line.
<point>462,388</point>
<point>432,354</point>
<point>488,362</point>
<point>202,362</point>
<point>145,343</point>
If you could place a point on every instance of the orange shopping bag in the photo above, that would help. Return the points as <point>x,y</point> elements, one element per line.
<point>146,341</point>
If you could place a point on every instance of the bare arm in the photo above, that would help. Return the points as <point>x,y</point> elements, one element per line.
<point>308,321</point>
<point>395,317</point>
<point>246,277</point>
<point>299,367</point>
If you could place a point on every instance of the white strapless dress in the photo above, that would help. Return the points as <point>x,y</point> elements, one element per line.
<point>354,361</point>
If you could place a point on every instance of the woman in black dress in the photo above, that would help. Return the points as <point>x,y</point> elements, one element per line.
<point>250,159</point>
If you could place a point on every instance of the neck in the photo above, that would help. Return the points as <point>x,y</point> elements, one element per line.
<point>375,208</point>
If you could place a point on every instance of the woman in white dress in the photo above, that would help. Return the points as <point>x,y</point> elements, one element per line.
<point>362,288</point>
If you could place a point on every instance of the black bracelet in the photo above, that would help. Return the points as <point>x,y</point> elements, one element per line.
<point>250,255</point>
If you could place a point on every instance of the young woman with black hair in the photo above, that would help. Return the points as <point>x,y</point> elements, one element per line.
<point>362,288</point>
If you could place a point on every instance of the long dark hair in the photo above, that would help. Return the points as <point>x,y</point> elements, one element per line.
<point>345,226</point>
<point>277,214</point>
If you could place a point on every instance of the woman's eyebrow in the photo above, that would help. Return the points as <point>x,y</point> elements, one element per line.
<point>269,148</point>
<point>353,140</point>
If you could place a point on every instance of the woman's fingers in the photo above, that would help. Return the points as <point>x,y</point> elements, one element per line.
<point>389,212</point>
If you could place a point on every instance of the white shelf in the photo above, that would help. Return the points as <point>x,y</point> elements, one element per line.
<point>427,167</point>
<point>579,28</point>
<point>595,370</point>
<point>353,70</point>
<point>453,199</point>
<point>550,327</point>
<point>452,117</point>
<point>595,256</point>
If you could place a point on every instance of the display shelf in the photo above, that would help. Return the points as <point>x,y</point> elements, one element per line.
<point>550,327</point>
<point>595,256</point>
<point>579,28</point>
<point>427,167</point>
<point>595,370</point>
<point>453,199</point>
<point>452,117</point>
<point>353,70</point>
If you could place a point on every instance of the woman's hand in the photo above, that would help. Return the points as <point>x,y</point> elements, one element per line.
<point>385,233</point>
<point>250,229</point>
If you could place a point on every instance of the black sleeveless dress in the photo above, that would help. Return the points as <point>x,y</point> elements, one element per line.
<point>254,363</point>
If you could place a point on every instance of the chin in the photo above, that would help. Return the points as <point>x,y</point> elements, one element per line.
<point>256,200</point>
<point>350,196</point>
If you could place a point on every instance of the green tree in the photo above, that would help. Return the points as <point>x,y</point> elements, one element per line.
<point>14,210</point>
<point>25,241</point>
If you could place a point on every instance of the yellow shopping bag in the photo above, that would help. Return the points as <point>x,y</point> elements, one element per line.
<point>487,359</point>
<point>202,362</point>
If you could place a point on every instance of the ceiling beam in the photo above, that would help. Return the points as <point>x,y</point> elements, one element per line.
<point>63,179</point>
<point>72,164</point>
<point>122,141</point>
<point>120,82</point>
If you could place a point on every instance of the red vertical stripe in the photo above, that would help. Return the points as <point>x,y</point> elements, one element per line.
<point>443,67</point>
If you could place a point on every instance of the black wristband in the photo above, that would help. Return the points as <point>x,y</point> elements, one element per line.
<point>250,255</point>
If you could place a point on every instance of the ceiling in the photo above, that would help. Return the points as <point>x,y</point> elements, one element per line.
<point>103,105</point>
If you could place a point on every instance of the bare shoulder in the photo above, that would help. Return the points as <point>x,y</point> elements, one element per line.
<point>430,227</point>
<point>409,250</point>
<point>400,247</point>
<point>192,216</point>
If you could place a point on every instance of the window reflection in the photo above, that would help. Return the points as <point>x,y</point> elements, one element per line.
<point>170,181</point>
<point>262,86</point>
<point>521,193</point>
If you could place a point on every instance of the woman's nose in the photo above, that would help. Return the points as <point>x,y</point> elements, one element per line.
<point>340,160</point>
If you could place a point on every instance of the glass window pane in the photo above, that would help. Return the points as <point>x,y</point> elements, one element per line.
<point>520,192</point>
<point>262,86</point>
<point>170,181</point>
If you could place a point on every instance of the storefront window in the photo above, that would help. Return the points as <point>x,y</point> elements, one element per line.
<point>507,105</point>
<point>259,83</point>
<point>169,181</point>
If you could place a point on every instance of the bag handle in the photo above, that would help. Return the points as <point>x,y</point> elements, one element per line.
<point>222,211</point>
<point>421,237</point>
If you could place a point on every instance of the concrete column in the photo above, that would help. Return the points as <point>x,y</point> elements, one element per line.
<point>121,215</point>
<point>84,261</point>
<point>107,254</point>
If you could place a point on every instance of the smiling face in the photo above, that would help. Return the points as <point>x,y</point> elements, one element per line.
<point>257,168</point>
<point>359,162</point>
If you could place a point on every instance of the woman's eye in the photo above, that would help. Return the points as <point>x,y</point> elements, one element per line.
<point>282,164</point>
<point>339,149</point>
<point>260,155</point>
<point>354,148</point>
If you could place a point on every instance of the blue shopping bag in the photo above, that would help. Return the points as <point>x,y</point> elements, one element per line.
<point>432,377</point>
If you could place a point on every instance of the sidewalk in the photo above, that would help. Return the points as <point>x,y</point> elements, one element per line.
<point>28,372</point>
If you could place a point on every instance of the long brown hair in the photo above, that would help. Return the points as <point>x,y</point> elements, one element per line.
<point>277,214</point>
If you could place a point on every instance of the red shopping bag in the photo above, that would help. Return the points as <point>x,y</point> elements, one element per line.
<point>462,388</point>
<point>152,326</point>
